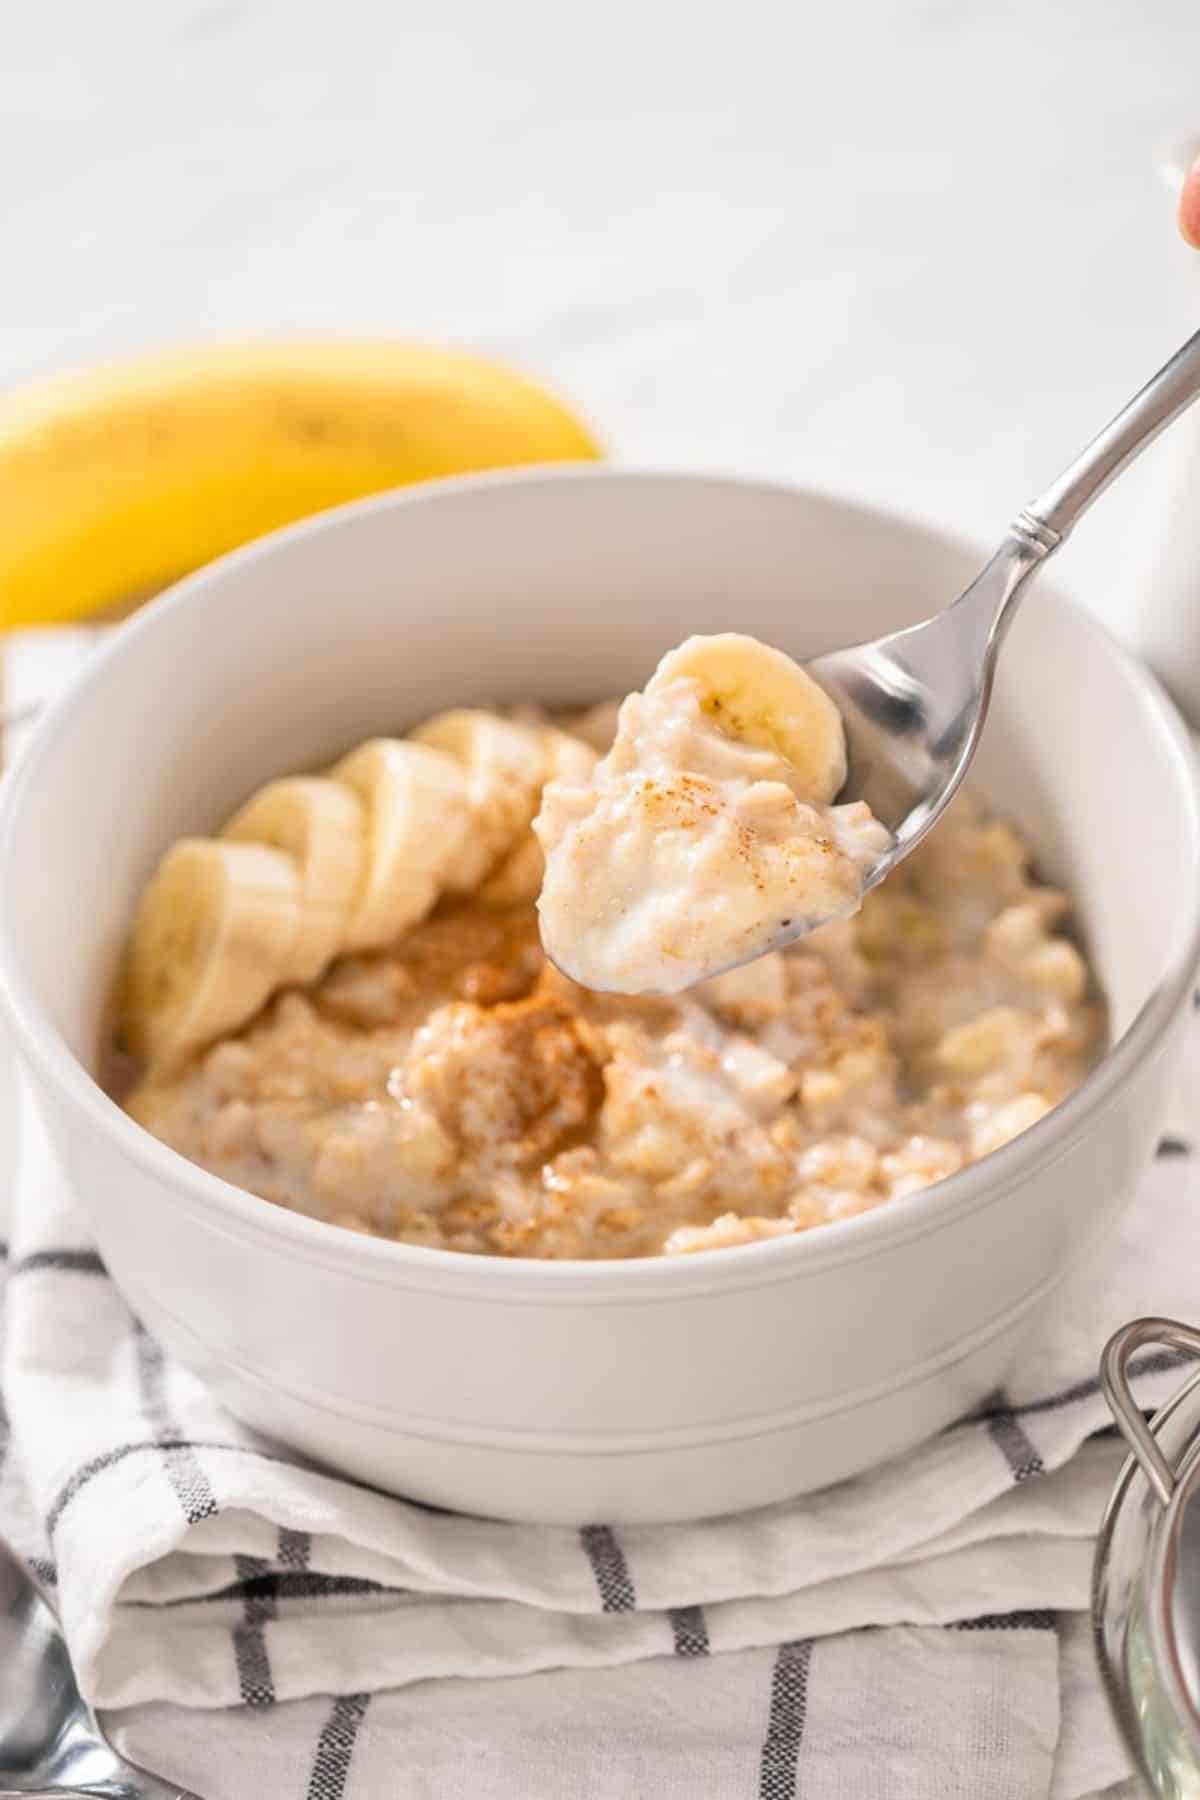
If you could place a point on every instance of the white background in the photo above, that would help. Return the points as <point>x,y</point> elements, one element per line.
<point>910,249</point>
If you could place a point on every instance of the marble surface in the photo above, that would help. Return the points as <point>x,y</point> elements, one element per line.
<point>910,249</point>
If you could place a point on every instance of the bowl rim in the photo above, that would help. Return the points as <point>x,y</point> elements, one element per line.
<point>775,1258</point>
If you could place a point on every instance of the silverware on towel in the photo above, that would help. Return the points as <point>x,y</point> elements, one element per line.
<point>50,1741</point>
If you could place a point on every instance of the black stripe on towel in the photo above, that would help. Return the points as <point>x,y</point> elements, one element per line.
<point>785,1725</point>
<point>304,1584</point>
<point>249,1638</point>
<point>1010,1438</point>
<point>335,1747</point>
<point>108,1459</point>
<point>295,1549</point>
<point>1039,1620</point>
<point>689,1631</point>
<point>76,1262</point>
<point>1155,1362</point>
<point>617,1592</point>
<point>192,1487</point>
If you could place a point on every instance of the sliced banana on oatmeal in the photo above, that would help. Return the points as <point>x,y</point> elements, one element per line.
<point>504,765</point>
<point>211,941</point>
<point>761,696</point>
<point>568,758</point>
<point>417,821</point>
<point>321,825</point>
<point>518,878</point>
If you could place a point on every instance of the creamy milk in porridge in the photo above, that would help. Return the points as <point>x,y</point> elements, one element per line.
<point>450,1087</point>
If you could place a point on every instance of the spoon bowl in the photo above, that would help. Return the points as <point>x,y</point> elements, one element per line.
<point>914,703</point>
<point>50,1740</point>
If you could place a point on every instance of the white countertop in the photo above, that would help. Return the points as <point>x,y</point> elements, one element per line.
<point>910,249</point>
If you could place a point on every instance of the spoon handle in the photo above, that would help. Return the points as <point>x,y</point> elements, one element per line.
<point>142,1785</point>
<point>1049,518</point>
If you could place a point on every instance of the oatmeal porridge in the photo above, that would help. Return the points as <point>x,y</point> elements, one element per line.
<point>446,1085</point>
<point>708,830</point>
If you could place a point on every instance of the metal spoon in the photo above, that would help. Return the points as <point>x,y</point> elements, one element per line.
<point>914,703</point>
<point>50,1741</point>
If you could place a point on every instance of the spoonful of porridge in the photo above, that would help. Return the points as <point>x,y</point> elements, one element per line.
<point>746,801</point>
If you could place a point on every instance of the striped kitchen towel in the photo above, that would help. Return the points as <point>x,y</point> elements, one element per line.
<point>197,1566</point>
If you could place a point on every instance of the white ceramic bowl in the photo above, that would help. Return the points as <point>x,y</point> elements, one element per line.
<point>577,1391</point>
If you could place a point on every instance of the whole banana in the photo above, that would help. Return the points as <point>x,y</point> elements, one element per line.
<point>117,479</point>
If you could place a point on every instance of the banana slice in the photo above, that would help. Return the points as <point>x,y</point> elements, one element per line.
<point>568,758</point>
<point>504,765</point>
<point>518,879</point>
<point>596,725</point>
<point>417,821</point>
<point>763,697</point>
<point>212,939</point>
<point>321,826</point>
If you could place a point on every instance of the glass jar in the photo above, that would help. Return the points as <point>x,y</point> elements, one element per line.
<point>1146,1580</point>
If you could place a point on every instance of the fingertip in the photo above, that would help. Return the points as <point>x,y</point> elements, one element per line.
<point>1189,208</point>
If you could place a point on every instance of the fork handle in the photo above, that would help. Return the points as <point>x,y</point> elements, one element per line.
<point>1049,518</point>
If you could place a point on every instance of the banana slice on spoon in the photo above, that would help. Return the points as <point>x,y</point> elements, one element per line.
<point>708,828</point>
<point>760,696</point>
